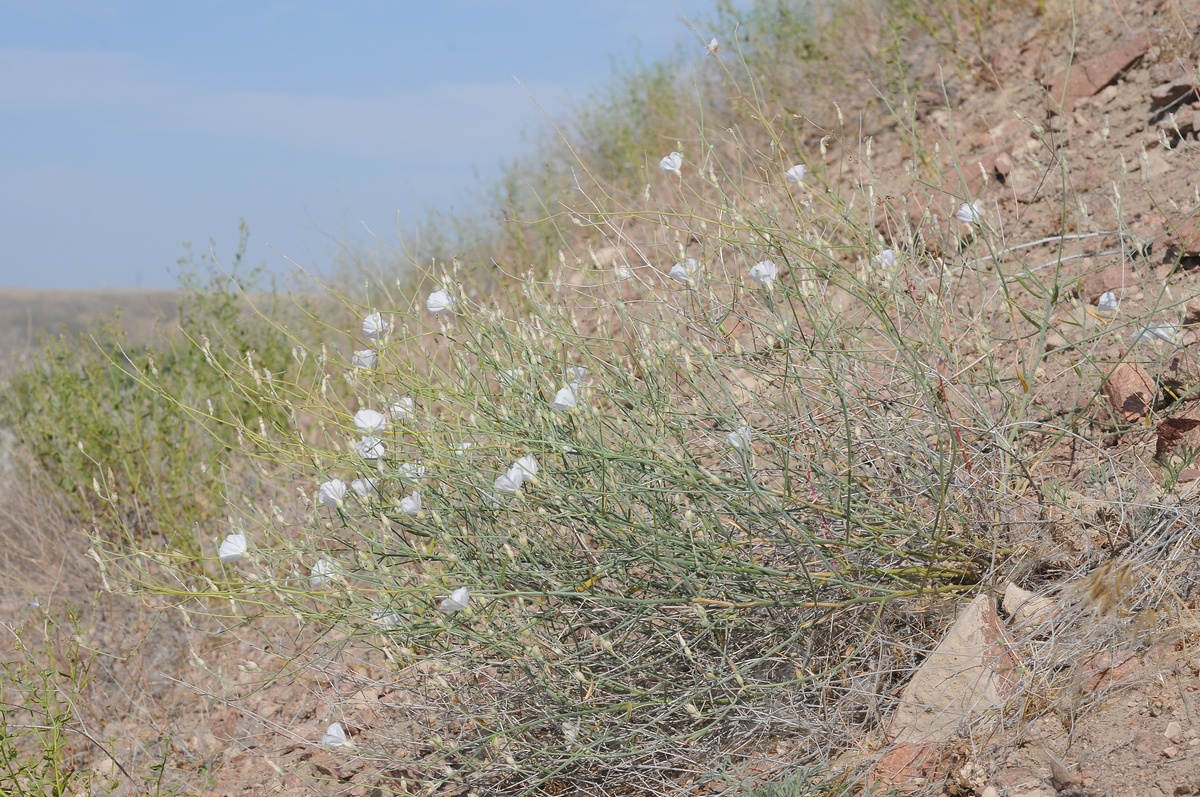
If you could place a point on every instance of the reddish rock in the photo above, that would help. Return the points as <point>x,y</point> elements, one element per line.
<point>1085,78</point>
<point>1130,391</point>
<point>1178,431</point>
<point>1184,238</point>
<point>1107,669</point>
<point>903,762</point>
<point>1118,278</point>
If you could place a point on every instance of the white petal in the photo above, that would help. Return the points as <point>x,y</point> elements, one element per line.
<point>403,408</point>
<point>1107,305</point>
<point>671,164</point>
<point>439,302</point>
<point>740,438</point>
<point>712,47</point>
<point>624,273</point>
<point>332,493</point>
<point>368,422</point>
<point>232,548</point>
<point>970,213</point>
<point>528,464</point>
<point>365,359</point>
<point>885,259</point>
<point>411,472</point>
<point>370,448</point>
<point>373,326</point>
<point>795,175</point>
<point>411,505</point>
<point>685,271</point>
<point>510,482</point>
<point>566,398</point>
<point>364,487</point>
<point>335,737</point>
<point>321,573</point>
<point>509,377</point>
<point>764,273</point>
<point>577,374</point>
<point>457,601</point>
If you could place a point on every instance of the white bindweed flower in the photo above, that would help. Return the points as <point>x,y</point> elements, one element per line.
<point>386,619</point>
<point>457,601</point>
<point>411,505</point>
<point>739,438</point>
<point>364,487</point>
<point>365,358</point>
<point>370,448</point>
<point>624,273</point>
<point>1164,332</point>
<point>885,259</point>
<point>795,175</point>
<point>411,472</point>
<point>577,374</point>
<point>368,422</point>
<point>764,273</point>
<point>510,482</point>
<point>321,574</point>
<point>712,47</point>
<point>672,164</point>
<point>567,398</point>
<point>685,271</point>
<point>528,465</point>
<point>403,408</point>
<point>373,326</point>
<point>335,736</point>
<point>1107,304</point>
<point>439,302</point>
<point>509,378</point>
<point>332,493</point>
<point>232,548</point>
<point>970,213</point>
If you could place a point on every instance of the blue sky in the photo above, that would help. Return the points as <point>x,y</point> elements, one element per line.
<point>131,126</point>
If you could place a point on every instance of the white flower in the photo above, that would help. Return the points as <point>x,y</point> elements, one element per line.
<point>764,273</point>
<point>232,548</point>
<point>685,271</point>
<point>509,377</point>
<point>795,175</point>
<point>970,213</point>
<point>439,302</point>
<point>671,164</point>
<point>365,358</point>
<point>527,465</point>
<point>624,273</point>
<point>364,487</point>
<point>368,422</point>
<point>385,618</point>
<point>411,472</point>
<point>885,259</point>
<point>739,438</point>
<point>403,408</point>
<point>370,448</point>
<point>712,47</point>
<point>566,398</point>
<point>510,482</point>
<point>457,601</point>
<point>577,374</point>
<point>1107,305</point>
<point>411,505</point>
<point>1164,332</point>
<point>374,327</point>
<point>322,573</point>
<point>332,493</point>
<point>335,736</point>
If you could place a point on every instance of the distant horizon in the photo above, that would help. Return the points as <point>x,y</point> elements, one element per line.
<point>136,127</point>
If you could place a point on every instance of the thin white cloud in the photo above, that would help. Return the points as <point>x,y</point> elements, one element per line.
<point>478,121</point>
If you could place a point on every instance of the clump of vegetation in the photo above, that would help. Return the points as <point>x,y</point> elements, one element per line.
<point>686,459</point>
